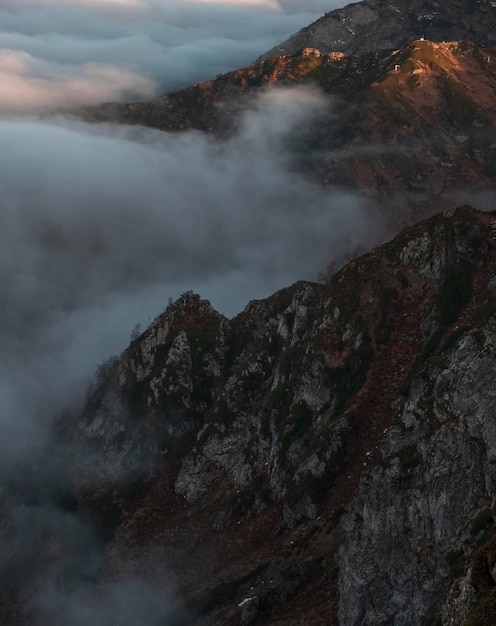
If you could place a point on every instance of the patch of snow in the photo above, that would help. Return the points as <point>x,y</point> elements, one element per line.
<point>246,600</point>
<point>425,16</point>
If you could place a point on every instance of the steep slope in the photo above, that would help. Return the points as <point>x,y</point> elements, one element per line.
<point>372,25</point>
<point>220,455</point>
<point>294,400</point>
<point>420,535</point>
<point>414,129</point>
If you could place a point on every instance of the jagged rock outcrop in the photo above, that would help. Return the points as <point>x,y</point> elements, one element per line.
<point>372,25</point>
<point>313,387</point>
<point>379,383</point>
<point>173,370</point>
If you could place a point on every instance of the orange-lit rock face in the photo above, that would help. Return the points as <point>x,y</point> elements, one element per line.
<point>417,125</point>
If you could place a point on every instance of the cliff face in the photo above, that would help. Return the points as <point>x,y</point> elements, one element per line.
<point>378,25</point>
<point>426,514</point>
<point>420,534</point>
<point>327,454</point>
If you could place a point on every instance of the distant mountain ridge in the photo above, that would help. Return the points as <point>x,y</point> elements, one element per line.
<point>372,25</point>
<point>412,92</point>
<point>413,129</point>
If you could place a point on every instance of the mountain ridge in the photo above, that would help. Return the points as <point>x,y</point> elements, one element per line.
<point>407,128</point>
<point>325,419</point>
<point>372,25</point>
<point>251,444</point>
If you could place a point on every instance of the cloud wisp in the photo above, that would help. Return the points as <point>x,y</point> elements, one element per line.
<point>35,85</point>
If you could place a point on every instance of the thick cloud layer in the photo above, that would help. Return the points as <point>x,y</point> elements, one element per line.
<point>36,84</point>
<point>59,52</point>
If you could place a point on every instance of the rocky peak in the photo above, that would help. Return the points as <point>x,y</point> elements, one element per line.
<point>379,25</point>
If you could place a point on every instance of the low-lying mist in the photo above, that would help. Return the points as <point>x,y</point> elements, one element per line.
<point>74,589</point>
